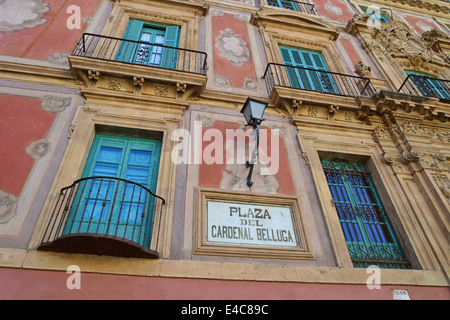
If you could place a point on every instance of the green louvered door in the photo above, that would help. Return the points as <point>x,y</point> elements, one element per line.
<point>158,47</point>
<point>117,207</point>
<point>307,70</point>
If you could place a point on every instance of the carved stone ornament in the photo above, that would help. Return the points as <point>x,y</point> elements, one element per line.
<point>430,36</point>
<point>399,41</point>
<point>362,70</point>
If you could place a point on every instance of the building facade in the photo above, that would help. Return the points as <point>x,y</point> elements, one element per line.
<point>124,149</point>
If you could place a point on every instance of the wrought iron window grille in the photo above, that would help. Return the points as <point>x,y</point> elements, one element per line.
<point>368,233</point>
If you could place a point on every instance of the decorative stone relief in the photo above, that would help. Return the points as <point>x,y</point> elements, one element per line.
<point>115,84</point>
<point>18,15</point>
<point>439,171</point>
<point>332,111</point>
<point>312,111</point>
<point>362,70</point>
<point>93,77</point>
<point>138,83</point>
<point>418,129</point>
<point>399,42</point>
<point>161,89</point>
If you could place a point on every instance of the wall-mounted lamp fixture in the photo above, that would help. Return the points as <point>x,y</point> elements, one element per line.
<point>253,111</point>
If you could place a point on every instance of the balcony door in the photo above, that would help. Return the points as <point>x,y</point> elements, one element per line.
<point>430,87</point>
<point>117,207</point>
<point>283,4</point>
<point>307,70</point>
<point>150,44</point>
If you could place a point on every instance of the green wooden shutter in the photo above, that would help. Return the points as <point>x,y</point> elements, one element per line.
<point>112,207</point>
<point>128,49</point>
<point>307,79</point>
<point>171,39</point>
<point>293,75</point>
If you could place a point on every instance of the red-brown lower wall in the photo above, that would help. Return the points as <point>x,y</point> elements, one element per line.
<point>18,284</point>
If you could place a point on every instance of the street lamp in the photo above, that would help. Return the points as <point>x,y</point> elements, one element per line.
<point>253,111</point>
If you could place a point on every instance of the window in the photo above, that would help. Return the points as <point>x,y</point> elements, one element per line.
<point>112,197</point>
<point>293,5</point>
<point>282,4</point>
<point>157,45</point>
<point>430,87</point>
<point>367,231</point>
<point>307,70</point>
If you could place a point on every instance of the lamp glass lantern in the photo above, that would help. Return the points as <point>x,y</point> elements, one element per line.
<point>253,111</point>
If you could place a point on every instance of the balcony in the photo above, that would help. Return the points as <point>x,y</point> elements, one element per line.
<point>420,85</point>
<point>325,82</point>
<point>107,66</point>
<point>140,53</point>
<point>105,216</point>
<point>294,6</point>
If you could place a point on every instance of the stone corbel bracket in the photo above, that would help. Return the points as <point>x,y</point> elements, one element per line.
<point>93,77</point>
<point>138,83</point>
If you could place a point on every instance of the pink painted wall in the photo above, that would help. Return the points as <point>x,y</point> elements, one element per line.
<point>38,284</point>
<point>22,121</point>
<point>334,10</point>
<point>45,35</point>
<point>419,24</point>
<point>212,175</point>
<point>232,53</point>
<point>350,50</point>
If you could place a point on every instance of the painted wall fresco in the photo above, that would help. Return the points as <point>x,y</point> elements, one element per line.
<point>37,29</point>
<point>229,174</point>
<point>26,138</point>
<point>24,124</point>
<point>335,10</point>
<point>233,60</point>
<point>421,25</point>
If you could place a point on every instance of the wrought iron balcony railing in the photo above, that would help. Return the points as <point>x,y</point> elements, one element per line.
<point>141,53</point>
<point>294,5</point>
<point>421,85</point>
<point>106,216</point>
<point>315,80</point>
